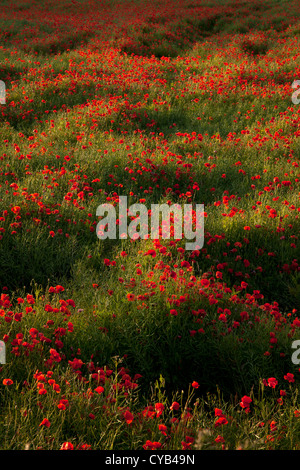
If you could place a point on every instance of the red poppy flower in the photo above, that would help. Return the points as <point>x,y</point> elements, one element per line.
<point>163,429</point>
<point>84,447</point>
<point>7,382</point>
<point>128,417</point>
<point>175,406</point>
<point>289,377</point>
<point>159,407</point>
<point>149,445</point>
<point>45,422</point>
<point>272,382</point>
<point>218,412</point>
<point>245,403</point>
<point>59,288</point>
<point>67,446</point>
<point>221,421</point>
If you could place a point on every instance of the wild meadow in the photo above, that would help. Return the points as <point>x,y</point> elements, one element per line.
<point>132,344</point>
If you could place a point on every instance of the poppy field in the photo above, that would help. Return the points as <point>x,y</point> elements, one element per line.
<point>141,344</point>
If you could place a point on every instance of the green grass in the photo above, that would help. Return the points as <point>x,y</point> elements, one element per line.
<point>177,103</point>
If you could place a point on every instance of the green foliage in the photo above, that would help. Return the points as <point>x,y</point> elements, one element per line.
<point>188,102</point>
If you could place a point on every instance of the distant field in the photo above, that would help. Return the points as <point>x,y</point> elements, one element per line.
<point>132,344</point>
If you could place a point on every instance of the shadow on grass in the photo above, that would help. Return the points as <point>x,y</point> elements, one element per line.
<point>160,37</point>
<point>53,100</point>
<point>155,344</point>
<point>55,45</point>
<point>45,260</point>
